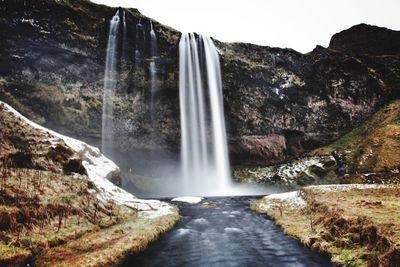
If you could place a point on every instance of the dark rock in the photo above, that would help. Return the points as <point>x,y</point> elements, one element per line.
<point>319,171</point>
<point>279,104</point>
<point>117,180</point>
<point>60,153</point>
<point>21,159</point>
<point>74,165</point>
<point>304,180</point>
<point>391,258</point>
<point>367,39</point>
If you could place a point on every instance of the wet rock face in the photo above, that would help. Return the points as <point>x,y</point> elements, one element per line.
<point>306,100</point>
<point>279,103</point>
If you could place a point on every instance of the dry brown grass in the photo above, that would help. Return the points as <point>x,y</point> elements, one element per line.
<point>108,247</point>
<point>50,212</point>
<point>41,209</point>
<point>359,227</point>
<point>374,145</point>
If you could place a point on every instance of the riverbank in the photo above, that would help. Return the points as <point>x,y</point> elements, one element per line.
<point>223,231</point>
<point>356,225</point>
<point>57,205</point>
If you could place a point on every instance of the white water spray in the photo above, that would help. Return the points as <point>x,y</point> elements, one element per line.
<point>140,44</point>
<point>110,82</point>
<point>153,67</point>
<point>124,41</point>
<point>205,162</point>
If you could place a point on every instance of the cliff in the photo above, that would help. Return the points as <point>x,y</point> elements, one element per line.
<point>279,104</point>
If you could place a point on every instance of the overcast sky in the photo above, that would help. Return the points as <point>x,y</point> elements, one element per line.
<point>297,24</point>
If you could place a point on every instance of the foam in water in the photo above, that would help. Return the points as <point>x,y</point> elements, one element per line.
<point>204,156</point>
<point>110,82</point>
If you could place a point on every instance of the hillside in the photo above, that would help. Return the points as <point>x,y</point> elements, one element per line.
<point>58,206</point>
<point>373,146</point>
<point>367,154</point>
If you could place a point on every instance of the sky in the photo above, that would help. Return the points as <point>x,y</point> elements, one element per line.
<point>297,24</point>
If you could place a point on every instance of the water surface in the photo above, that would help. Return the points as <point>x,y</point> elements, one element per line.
<point>225,233</point>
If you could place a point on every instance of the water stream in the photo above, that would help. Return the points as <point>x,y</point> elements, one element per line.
<point>226,233</point>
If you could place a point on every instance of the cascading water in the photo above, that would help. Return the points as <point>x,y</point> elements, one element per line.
<point>153,68</point>
<point>110,82</point>
<point>204,156</point>
<point>140,44</point>
<point>124,40</point>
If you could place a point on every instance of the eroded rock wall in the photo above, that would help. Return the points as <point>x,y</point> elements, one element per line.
<point>279,103</point>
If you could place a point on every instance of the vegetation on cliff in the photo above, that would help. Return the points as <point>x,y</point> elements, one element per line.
<point>373,147</point>
<point>367,154</point>
<point>279,104</point>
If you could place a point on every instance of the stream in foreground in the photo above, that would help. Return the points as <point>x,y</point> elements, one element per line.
<point>225,233</point>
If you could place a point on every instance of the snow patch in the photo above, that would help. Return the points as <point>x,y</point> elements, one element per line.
<point>190,200</point>
<point>99,168</point>
<point>291,197</point>
<point>289,173</point>
<point>346,187</point>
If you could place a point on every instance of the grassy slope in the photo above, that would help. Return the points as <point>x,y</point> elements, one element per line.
<point>355,227</point>
<point>370,148</point>
<point>374,145</point>
<point>53,216</point>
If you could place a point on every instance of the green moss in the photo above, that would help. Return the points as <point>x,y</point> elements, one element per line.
<point>70,24</point>
<point>75,116</point>
<point>349,256</point>
<point>350,138</point>
<point>12,253</point>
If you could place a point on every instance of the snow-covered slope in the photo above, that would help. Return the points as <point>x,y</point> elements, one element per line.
<point>99,168</point>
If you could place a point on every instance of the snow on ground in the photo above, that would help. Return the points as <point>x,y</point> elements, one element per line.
<point>289,172</point>
<point>346,187</point>
<point>290,197</point>
<point>99,168</point>
<point>190,200</point>
<point>294,198</point>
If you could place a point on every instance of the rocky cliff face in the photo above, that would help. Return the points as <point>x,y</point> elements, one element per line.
<point>279,104</point>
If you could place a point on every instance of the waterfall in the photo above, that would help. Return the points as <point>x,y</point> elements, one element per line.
<point>110,82</point>
<point>124,41</point>
<point>153,69</point>
<point>153,41</point>
<point>204,155</point>
<point>140,44</point>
